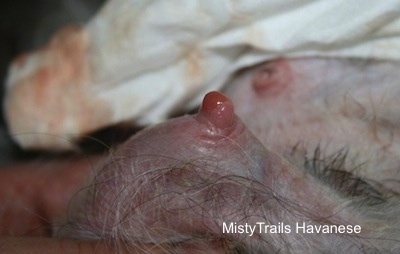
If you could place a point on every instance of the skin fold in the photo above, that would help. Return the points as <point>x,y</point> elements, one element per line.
<point>293,140</point>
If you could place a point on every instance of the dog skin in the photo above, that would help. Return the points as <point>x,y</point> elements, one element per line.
<point>308,140</point>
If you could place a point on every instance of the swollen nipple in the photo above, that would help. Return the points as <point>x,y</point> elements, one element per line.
<point>218,110</point>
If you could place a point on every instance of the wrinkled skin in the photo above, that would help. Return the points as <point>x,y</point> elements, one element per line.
<point>301,140</point>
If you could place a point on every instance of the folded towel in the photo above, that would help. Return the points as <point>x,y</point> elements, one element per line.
<point>139,61</point>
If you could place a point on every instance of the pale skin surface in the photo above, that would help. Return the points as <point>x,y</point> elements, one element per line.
<point>59,180</point>
<point>36,194</point>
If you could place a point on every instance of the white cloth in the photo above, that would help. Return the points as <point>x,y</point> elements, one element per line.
<point>148,59</point>
<point>172,52</point>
